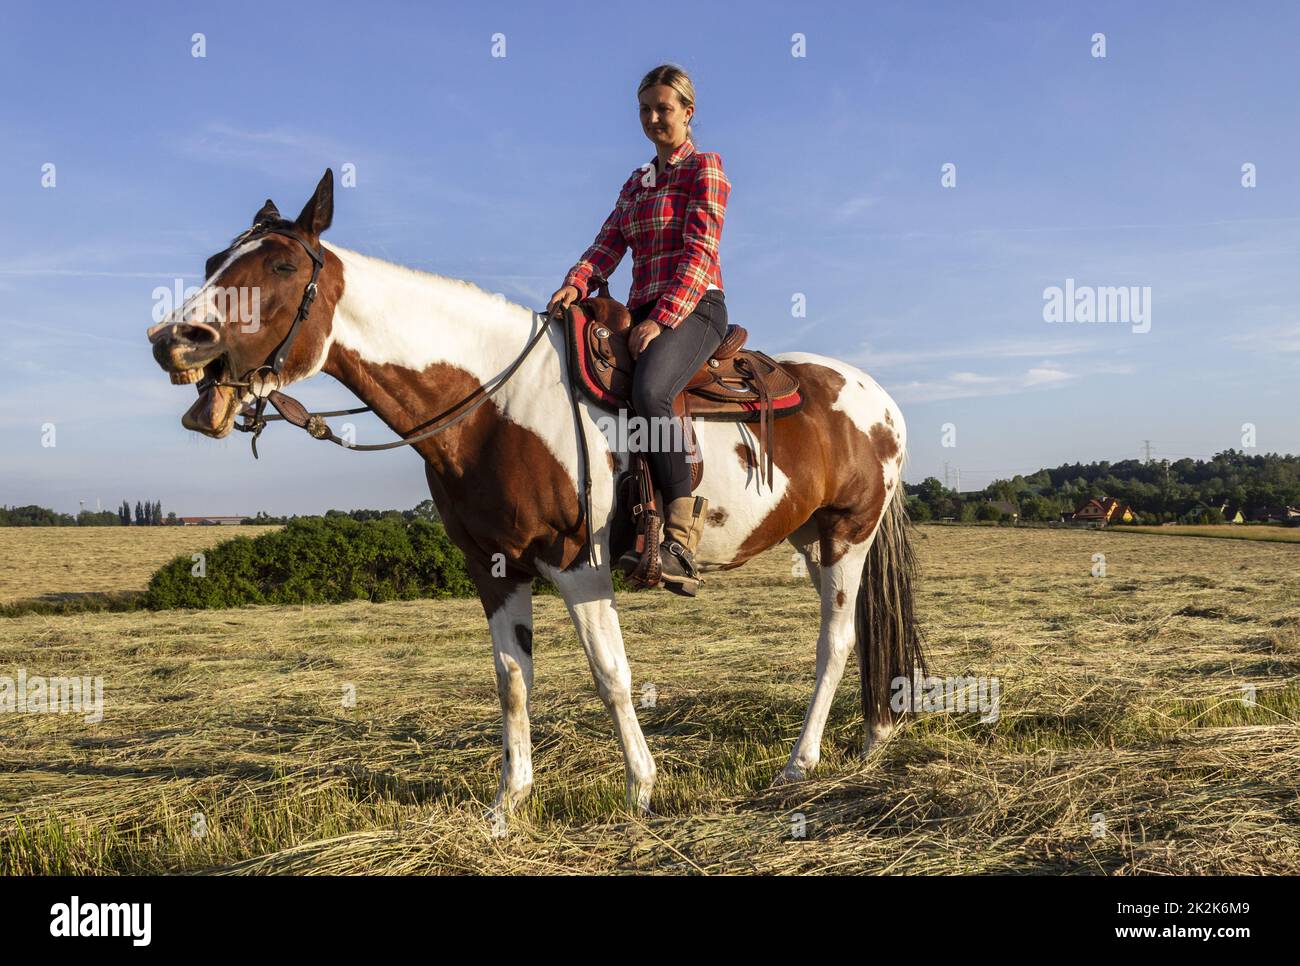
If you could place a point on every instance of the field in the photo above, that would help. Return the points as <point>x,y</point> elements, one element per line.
<point>68,561</point>
<point>1223,531</point>
<point>1129,739</point>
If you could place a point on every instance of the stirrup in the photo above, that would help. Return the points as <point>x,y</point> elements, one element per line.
<point>687,585</point>
<point>681,553</point>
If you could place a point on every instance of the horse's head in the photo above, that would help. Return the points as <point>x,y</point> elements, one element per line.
<point>232,337</point>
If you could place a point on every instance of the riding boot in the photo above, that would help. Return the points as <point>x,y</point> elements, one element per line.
<point>683,527</point>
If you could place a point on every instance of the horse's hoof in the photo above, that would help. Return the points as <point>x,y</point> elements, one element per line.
<point>638,799</point>
<point>509,799</point>
<point>495,817</point>
<point>789,775</point>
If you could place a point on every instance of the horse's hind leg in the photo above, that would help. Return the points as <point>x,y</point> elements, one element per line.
<point>837,584</point>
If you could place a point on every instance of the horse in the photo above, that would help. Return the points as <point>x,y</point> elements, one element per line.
<point>505,477</point>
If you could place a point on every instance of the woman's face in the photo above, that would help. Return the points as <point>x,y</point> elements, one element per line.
<point>662,116</point>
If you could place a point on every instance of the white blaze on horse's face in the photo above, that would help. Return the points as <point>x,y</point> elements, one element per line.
<point>202,338</point>
<point>209,307</point>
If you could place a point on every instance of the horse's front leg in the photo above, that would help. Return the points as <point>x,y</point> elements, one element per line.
<point>511,622</point>
<point>589,594</point>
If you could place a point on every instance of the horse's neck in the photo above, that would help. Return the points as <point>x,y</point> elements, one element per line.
<point>411,345</point>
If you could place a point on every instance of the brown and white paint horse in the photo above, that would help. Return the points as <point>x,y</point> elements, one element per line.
<point>411,344</point>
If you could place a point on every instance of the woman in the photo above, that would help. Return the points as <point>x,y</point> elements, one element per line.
<point>670,213</point>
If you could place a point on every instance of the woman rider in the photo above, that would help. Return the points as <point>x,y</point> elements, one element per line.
<point>670,213</point>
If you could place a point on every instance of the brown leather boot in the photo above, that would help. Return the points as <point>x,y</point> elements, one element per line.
<point>683,527</point>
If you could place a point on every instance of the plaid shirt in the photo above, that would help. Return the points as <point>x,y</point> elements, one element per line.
<point>673,223</point>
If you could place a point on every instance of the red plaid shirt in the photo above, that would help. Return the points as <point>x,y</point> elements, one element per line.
<point>673,223</point>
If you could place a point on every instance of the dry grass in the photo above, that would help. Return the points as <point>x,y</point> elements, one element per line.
<point>64,561</point>
<point>1224,531</point>
<point>1121,698</point>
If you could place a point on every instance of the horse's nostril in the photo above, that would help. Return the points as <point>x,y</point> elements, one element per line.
<point>197,333</point>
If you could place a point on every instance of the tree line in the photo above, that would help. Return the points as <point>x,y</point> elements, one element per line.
<point>424,510</point>
<point>1159,491</point>
<point>146,514</point>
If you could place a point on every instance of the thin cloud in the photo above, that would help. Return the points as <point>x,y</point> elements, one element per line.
<point>1275,338</point>
<point>1045,375</point>
<point>968,385</point>
<point>853,207</point>
<point>1008,349</point>
<point>280,152</point>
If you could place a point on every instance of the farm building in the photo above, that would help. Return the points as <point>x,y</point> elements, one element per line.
<point>1198,512</point>
<point>1008,509</point>
<point>1286,515</point>
<point>1104,511</point>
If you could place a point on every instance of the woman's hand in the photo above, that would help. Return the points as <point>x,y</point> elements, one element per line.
<point>564,296</point>
<point>640,336</point>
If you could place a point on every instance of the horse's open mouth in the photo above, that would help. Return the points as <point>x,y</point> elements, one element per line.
<point>213,413</point>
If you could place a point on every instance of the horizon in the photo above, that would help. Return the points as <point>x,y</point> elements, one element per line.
<point>961,493</point>
<point>1073,173</point>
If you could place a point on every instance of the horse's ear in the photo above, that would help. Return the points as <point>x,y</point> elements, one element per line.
<point>318,213</point>
<point>269,212</point>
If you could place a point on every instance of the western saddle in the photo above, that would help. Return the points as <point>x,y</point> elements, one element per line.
<point>736,385</point>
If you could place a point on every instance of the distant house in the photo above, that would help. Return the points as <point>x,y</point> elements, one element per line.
<point>214,521</point>
<point>1197,513</point>
<point>1008,509</point>
<point>1105,511</point>
<point>1287,515</point>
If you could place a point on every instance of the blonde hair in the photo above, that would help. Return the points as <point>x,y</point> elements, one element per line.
<point>676,78</point>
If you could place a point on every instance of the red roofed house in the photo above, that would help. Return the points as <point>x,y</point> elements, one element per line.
<point>1104,511</point>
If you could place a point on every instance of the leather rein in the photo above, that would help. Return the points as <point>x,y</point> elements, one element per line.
<point>295,413</point>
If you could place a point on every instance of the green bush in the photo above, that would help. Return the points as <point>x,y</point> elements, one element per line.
<point>324,560</point>
<point>319,561</point>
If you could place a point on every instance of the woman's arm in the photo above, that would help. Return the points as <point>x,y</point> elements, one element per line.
<point>701,232</point>
<point>604,254</point>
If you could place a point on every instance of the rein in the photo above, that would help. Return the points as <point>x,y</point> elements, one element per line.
<point>295,413</point>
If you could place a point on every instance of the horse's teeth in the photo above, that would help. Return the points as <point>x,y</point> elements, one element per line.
<point>186,376</point>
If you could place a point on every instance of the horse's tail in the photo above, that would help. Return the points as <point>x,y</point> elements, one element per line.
<point>889,640</point>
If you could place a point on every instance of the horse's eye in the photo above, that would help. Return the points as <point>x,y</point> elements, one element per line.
<point>285,268</point>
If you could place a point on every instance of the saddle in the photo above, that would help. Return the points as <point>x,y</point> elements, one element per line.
<point>736,384</point>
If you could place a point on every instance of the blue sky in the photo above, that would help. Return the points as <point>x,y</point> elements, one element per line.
<point>1122,171</point>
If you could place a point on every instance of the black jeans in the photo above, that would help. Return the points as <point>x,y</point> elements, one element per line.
<point>662,371</point>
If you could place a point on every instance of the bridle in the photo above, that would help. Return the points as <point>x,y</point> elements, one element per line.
<point>256,419</point>
<point>292,411</point>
